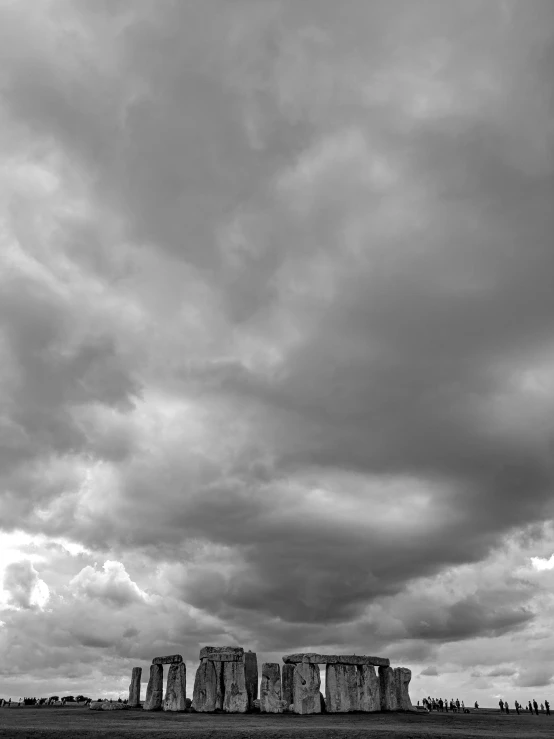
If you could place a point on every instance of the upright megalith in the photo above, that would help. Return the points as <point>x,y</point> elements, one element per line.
<point>154,690</point>
<point>270,689</point>
<point>251,677</point>
<point>226,679</point>
<point>287,676</point>
<point>134,687</point>
<point>235,695</point>
<point>176,690</point>
<point>206,688</point>
<point>387,687</point>
<point>402,677</point>
<point>305,687</point>
<point>351,688</point>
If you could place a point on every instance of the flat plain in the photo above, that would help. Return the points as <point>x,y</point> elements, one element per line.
<point>80,722</point>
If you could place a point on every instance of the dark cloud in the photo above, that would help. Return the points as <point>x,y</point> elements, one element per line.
<point>276,322</point>
<point>430,672</point>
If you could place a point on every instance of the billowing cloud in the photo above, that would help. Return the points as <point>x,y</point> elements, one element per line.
<point>113,584</point>
<point>276,332</point>
<point>24,587</point>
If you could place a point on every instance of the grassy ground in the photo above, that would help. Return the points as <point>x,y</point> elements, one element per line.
<point>81,723</point>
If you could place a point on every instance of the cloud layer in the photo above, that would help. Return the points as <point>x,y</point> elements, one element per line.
<point>276,336</point>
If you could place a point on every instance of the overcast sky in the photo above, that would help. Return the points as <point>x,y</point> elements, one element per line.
<point>277,338</point>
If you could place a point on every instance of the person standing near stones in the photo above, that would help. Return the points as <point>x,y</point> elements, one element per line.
<point>536,707</point>
<point>517,707</point>
<point>501,704</point>
<point>547,706</point>
<point>530,706</point>
<point>507,707</point>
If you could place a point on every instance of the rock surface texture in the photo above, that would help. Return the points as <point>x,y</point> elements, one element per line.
<point>305,687</point>
<point>351,688</point>
<point>205,694</point>
<point>270,689</point>
<point>251,677</point>
<point>235,695</point>
<point>402,677</point>
<point>176,690</point>
<point>134,687</point>
<point>387,686</point>
<point>227,679</point>
<point>107,706</point>
<point>335,659</point>
<point>154,690</point>
<point>169,660</point>
<point>229,654</point>
<point>287,683</point>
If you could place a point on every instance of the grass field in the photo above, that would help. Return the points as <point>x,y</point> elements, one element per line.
<point>82,723</point>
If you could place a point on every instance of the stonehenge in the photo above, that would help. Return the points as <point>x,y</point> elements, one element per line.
<point>176,689</point>
<point>227,680</point>
<point>351,684</point>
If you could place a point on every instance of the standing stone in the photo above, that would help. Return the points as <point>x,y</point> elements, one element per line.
<point>387,685</point>
<point>251,677</point>
<point>341,688</point>
<point>134,687</point>
<point>176,691</point>
<point>206,688</point>
<point>369,689</point>
<point>235,696</point>
<point>306,684</point>
<point>402,677</point>
<point>287,683</point>
<point>154,691</point>
<point>270,689</point>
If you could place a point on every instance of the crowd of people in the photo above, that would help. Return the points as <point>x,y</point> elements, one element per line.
<point>440,704</point>
<point>531,707</point>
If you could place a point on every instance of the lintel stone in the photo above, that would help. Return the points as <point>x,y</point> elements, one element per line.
<point>169,660</point>
<point>335,659</point>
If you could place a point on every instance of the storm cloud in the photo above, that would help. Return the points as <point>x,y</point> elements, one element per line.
<point>276,335</point>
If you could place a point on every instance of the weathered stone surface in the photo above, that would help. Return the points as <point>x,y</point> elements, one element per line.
<point>134,687</point>
<point>235,695</point>
<point>176,690</point>
<point>107,706</point>
<point>218,666</point>
<point>251,677</point>
<point>210,652</point>
<point>402,677</point>
<point>270,688</point>
<point>225,657</point>
<point>287,683</point>
<point>306,683</point>
<point>335,659</point>
<point>387,687</point>
<point>351,688</point>
<point>370,689</point>
<point>206,688</point>
<point>154,690</point>
<point>169,660</point>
